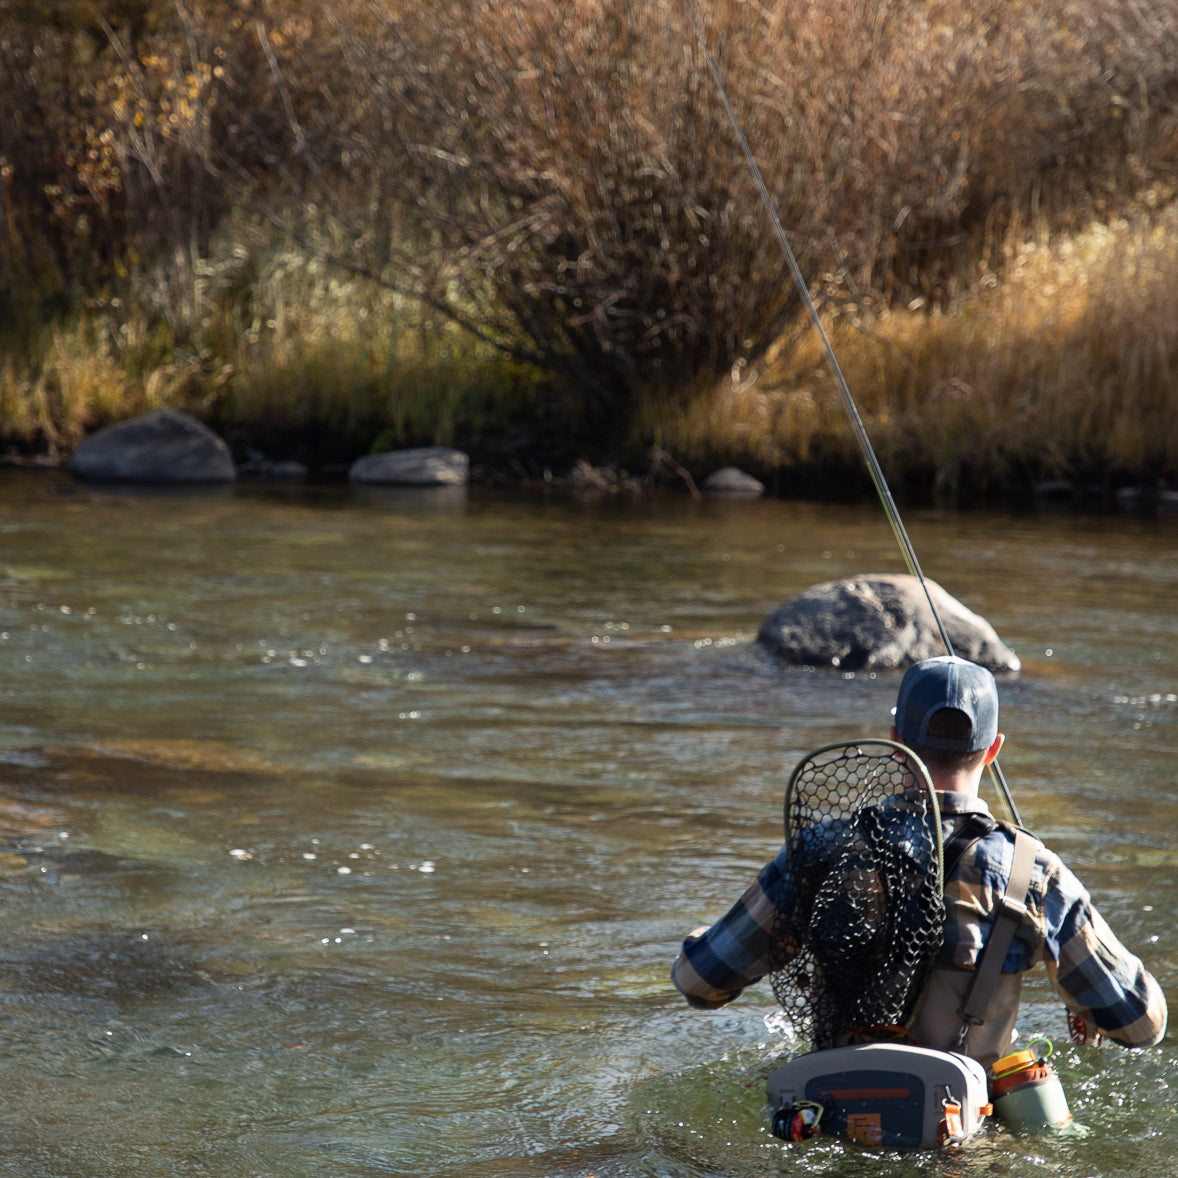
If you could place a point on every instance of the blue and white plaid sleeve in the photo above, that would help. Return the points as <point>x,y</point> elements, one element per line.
<point>713,968</point>
<point>1098,978</point>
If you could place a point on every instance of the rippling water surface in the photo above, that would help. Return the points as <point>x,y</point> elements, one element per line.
<point>349,835</point>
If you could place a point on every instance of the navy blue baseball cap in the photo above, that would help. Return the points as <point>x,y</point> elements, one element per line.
<point>947,682</point>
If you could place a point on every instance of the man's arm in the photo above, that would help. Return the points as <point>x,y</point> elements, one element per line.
<point>1102,983</point>
<point>716,964</point>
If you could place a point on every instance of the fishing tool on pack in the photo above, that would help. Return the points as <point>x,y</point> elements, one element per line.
<point>873,467</point>
<point>798,1121</point>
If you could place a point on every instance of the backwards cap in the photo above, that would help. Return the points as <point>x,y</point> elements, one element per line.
<point>947,682</point>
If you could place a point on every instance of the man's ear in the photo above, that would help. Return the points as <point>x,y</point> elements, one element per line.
<point>994,749</point>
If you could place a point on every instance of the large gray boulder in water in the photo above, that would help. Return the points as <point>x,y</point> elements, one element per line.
<point>164,446</point>
<point>879,622</point>
<point>426,466</point>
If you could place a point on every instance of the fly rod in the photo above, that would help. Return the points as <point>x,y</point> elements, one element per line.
<point>873,467</point>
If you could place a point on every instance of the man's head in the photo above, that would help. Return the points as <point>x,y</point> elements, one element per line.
<point>947,712</point>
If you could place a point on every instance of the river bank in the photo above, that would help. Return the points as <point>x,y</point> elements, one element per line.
<point>843,482</point>
<point>1052,383</point>
<point>210,214</point>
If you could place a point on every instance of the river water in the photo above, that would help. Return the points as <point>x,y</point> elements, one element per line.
<point>354,835</point>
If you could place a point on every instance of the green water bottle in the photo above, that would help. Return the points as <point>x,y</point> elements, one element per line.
<point>1026,1091</point>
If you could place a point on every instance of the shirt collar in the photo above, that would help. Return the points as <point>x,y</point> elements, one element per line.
<point>953,801</point>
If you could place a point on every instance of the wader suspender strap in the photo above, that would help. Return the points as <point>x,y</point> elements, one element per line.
<point>1011,911</point>
<point>976,826</point>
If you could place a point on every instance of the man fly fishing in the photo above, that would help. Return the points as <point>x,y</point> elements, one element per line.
<point>947,713</point>
<point>844,919</point>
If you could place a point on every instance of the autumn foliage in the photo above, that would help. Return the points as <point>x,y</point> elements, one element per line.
<point>560,177</point>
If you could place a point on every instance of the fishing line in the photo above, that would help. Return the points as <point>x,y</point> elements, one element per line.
<point>873,467</point>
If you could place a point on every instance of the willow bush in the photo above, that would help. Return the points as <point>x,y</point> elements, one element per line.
<point>558,176</point>
<point>574,176</point>
<point>561,177</point>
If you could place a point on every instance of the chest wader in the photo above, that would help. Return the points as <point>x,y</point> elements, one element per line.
<point>1024,1089</point>
<point>974,1011</point>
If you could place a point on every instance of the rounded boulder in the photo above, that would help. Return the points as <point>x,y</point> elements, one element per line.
<point>731,480</point>
<point>426,466</point>
<point>879,622</point>
<point>163,446</point>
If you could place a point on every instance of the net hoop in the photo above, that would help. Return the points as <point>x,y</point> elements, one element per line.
<point>862,917</point>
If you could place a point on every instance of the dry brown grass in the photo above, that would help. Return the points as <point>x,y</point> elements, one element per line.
<point>585,201</point>
<point>559,178</point>
<point>1067,368</point>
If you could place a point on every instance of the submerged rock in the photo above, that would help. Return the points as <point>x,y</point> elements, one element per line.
<point>102,964</point>
<point>262,468</point>
<point>164,446</point>
<point>426,466</point>
<point>879,622</point>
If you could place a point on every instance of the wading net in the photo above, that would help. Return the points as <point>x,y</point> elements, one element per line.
<point>862,912</point>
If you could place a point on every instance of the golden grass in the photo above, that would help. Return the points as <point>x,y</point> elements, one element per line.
<point>277,345</point>
<point>80,382</point>
<point>1066,363</point>
<point>982,191</point>
<point>365,363</point>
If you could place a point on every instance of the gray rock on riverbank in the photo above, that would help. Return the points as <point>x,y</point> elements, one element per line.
<point>734,482</point>
<point>426,466</point>
<point>164,446</point>
<point>879,622</point>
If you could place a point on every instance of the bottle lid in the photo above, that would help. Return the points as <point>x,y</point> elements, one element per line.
<point>1015,1062</point>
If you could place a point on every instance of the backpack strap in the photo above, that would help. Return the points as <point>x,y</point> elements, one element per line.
<point>974,827</point>
<point>1012,910</point>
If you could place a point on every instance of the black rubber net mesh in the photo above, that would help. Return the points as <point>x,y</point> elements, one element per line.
<point>862,913</point>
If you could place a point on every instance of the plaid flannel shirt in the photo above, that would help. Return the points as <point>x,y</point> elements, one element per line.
<point>1099,980</point>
